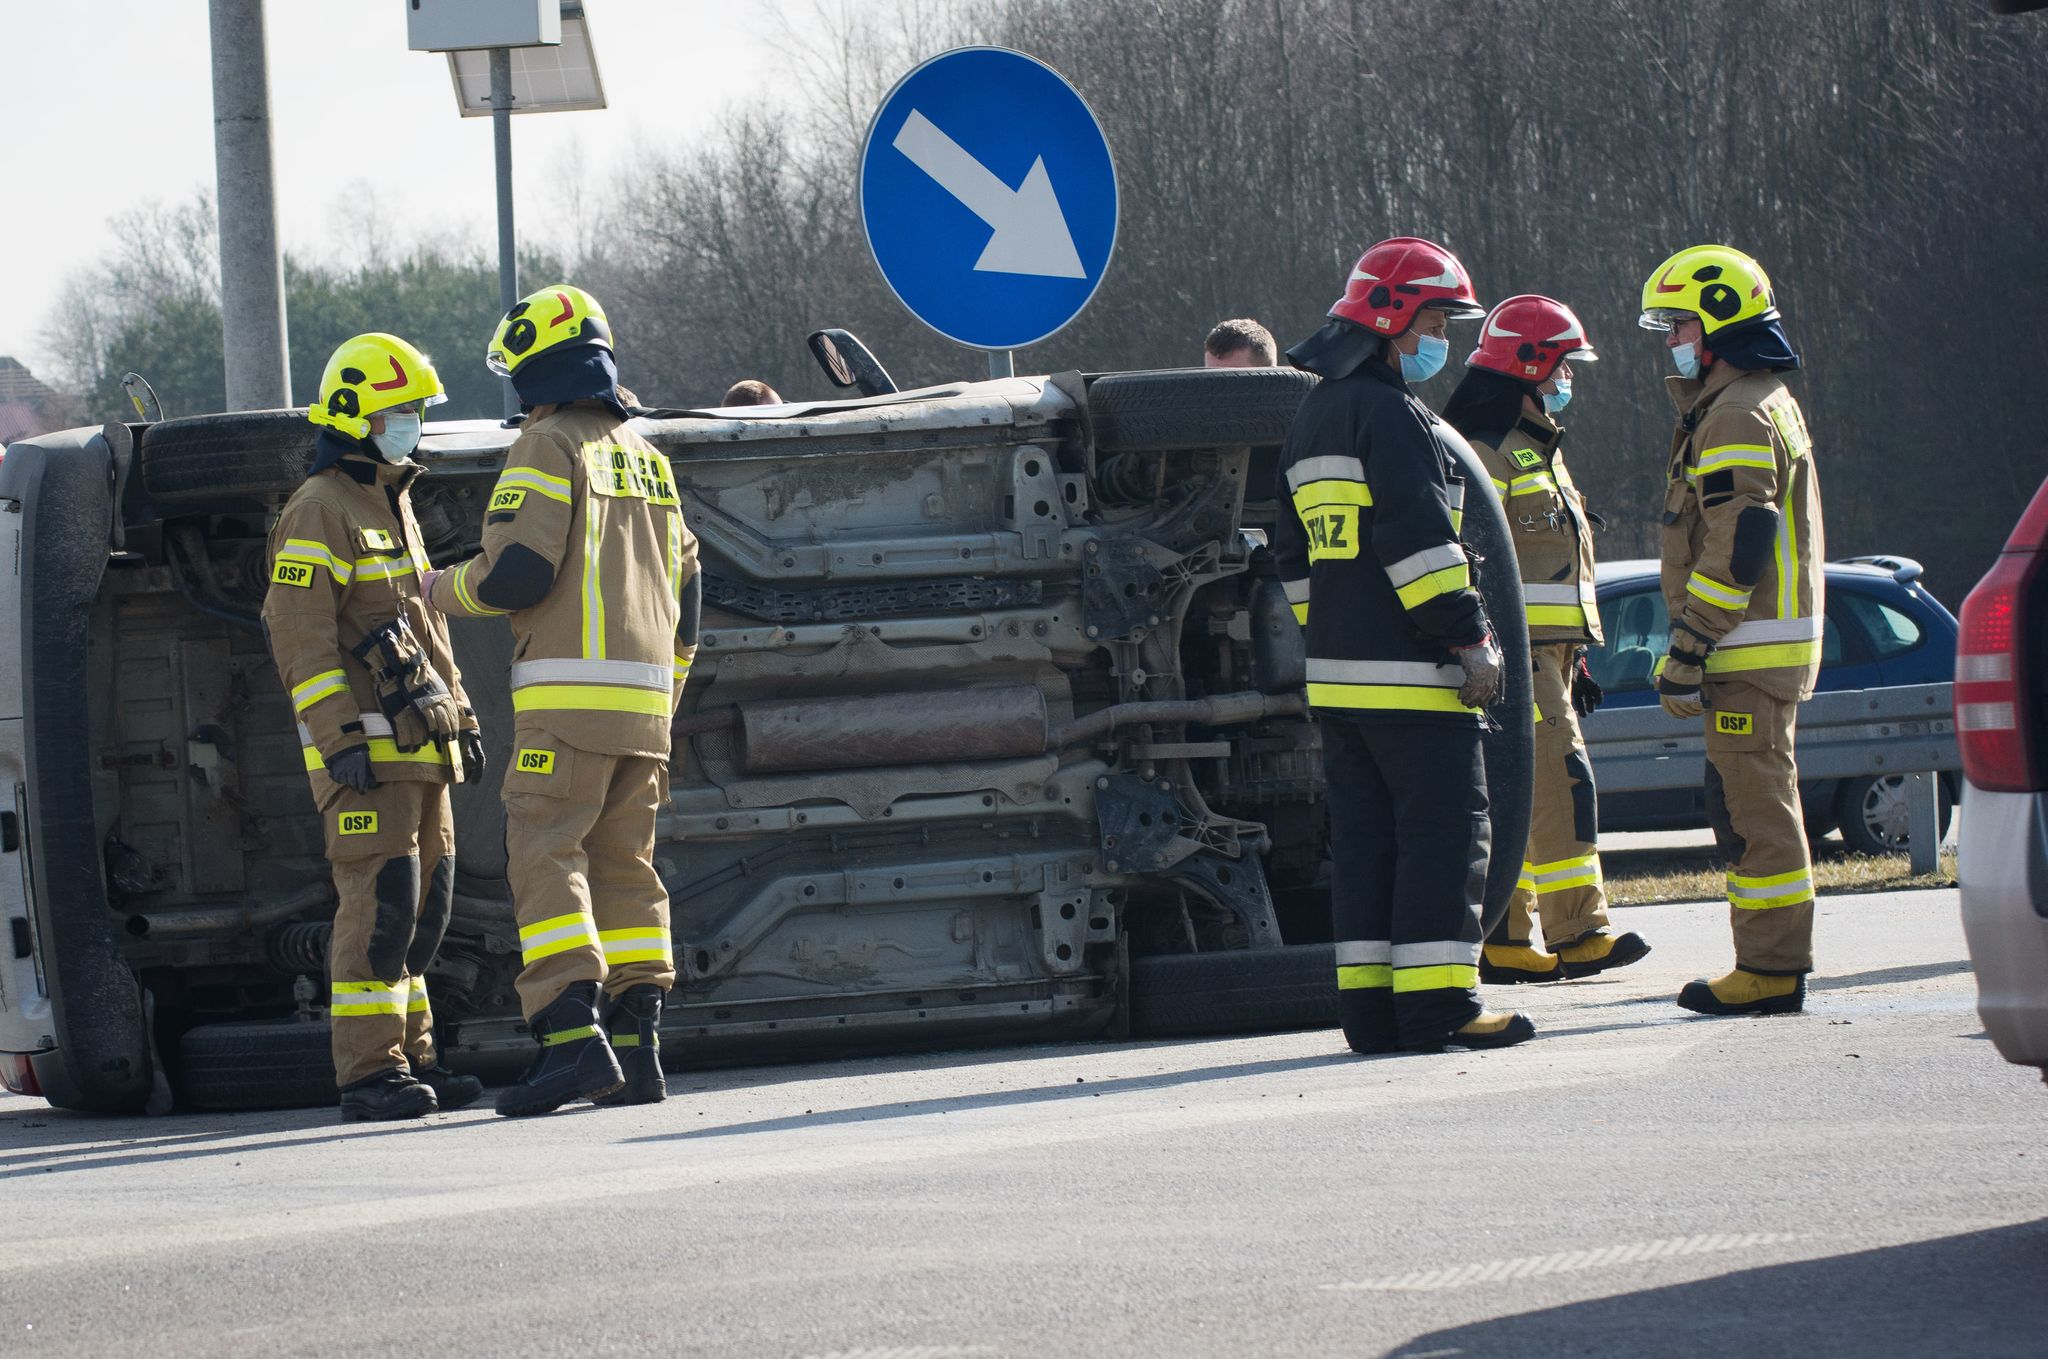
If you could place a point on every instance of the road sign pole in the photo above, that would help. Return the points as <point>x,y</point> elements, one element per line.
<point>1002,363</point>
<point>508,246</point>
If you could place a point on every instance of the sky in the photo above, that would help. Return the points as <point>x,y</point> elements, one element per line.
<point>105,104</point>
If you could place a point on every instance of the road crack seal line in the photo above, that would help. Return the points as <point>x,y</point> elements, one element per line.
<point>1563,1262</point>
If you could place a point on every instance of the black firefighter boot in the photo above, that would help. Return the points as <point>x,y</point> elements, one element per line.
<point>386,1095</point>
<point>634,1022</point>
<point>575,1059</point>
<point>452,1088</point>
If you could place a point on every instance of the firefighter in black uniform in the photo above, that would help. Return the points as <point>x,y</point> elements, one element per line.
<point>1401,658</point>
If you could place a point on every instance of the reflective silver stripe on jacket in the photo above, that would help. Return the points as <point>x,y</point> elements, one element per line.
<point>632,674</point>
<point>1329,467</point>
<point>1364,952</point>
<point>1385,672</point>
<point>1416,565</point>
<point>374,724</point>
<point>1760,631</point>
<point>1297,591</point>
<point>1550,594</point>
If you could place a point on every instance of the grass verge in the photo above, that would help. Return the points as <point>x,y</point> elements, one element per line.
<point>1641,877</point>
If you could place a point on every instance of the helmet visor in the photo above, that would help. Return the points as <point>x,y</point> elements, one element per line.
<point>495,361</point>
<point>1664,318</point>
<point>1458,310</point>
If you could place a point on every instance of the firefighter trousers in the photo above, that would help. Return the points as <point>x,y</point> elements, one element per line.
<point>1408,839</point>
<point>1560,882</point>
<point>579,840</point>
<point>1753,803</point>
<point>393,855</point>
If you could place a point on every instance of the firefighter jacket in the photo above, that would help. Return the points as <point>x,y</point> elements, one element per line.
<point>345,559</point>
<point>1367,544</point>
<point>1743,546</point>
<point>1548,522</point>
<point>585,547</point>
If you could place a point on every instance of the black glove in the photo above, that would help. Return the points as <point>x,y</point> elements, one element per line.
<point>351,769</point>
<point>1586,691</point>
<point>472,754</point>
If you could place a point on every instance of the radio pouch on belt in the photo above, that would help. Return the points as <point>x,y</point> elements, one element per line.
<point>412,697</point>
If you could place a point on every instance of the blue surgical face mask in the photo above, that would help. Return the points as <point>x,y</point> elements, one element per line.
<point>1686,359</point>
<point>1556,401</point>
<point>400,437</point>
<point>1427,360</point>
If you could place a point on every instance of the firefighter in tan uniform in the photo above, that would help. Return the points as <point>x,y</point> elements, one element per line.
<point>1516,383</point>
<point>1742,558</point>
<point>382,717</point>
<point>584,546</point>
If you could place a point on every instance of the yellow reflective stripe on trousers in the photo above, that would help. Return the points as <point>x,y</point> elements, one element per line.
<point>590,698</point>
<point>533,479</point>
<point>1364,965</point>
<point>593,593</point>
<point>1583,871</point>
<point>556,934</point>
<point>326,684</point>
<point>417,1004</point>
<point>347,999</point>
<point>315,554</point>
<point>1738,659</point>
<point>1715,593</point>
<point>1440,977</point>
<point>1765,893</point>
<point>648,944</point>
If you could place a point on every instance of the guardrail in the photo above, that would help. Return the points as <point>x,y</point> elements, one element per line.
<point>1845,734</point>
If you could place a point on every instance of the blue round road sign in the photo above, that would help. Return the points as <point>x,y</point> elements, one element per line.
<point>989,197</point>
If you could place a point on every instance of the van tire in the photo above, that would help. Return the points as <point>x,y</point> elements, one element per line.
<point>268,1064</point>
<point>1194,408</point>
<point>1234,991</point>
<point>248,455</point>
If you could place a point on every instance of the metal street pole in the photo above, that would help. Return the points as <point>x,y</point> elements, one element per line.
<point>508,248</point>
<point>1002,363</point>
<point>251,267</point>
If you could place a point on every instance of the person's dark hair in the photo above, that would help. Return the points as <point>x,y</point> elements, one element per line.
<point>1242,333</point>
<point>750,392</point>
<point>1486,404</point>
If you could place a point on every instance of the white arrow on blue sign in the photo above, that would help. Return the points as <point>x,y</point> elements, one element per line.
<point>989,197</point>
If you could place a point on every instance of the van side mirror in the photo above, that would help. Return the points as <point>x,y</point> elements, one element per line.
<point>847,362</point>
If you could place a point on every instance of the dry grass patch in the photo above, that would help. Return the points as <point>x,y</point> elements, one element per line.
<point>1637,878</point>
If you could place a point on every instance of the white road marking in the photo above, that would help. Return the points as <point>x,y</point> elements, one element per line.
<point>1562,1262</point>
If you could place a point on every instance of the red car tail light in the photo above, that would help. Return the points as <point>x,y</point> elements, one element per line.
<point>1998,717</point>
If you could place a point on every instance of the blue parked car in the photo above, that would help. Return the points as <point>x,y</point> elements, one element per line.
<point>1882,629</point>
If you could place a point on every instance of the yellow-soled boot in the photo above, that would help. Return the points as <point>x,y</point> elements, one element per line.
<point>1600,951</point>
<point>1745,993</point>
<point>1491,1029</point>
<point>1508,964</point>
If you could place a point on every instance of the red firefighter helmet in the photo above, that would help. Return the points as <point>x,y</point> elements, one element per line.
<point>1396,279</point>
<point>1526,337</point>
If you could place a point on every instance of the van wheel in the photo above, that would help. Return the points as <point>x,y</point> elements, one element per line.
<point>247,455</point>
<point>1194,407</point>
<point>268,1064</point>
<point>1234,991</point>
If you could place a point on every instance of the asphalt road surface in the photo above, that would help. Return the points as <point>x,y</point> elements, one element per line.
<point>1867,1179</point>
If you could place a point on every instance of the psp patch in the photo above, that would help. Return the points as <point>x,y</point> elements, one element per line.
<point>1526,458</point>
<point>356,823</point>
<point>1734,724</point>
<point>535,762</point>
<point>296,574</point>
